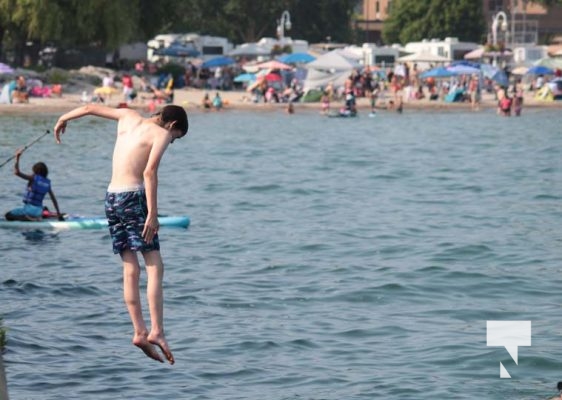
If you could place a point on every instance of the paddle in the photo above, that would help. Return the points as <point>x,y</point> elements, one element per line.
<point>26,147</point>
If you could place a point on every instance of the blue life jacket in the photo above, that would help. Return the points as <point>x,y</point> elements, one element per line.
<point>35,194</point>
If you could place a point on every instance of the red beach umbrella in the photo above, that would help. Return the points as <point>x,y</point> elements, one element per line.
<point>273,77</point>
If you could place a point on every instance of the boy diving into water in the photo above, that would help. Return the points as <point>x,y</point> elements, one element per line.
<point>132,211</point>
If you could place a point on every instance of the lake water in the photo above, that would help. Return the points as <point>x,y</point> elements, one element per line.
<point>327,259</point>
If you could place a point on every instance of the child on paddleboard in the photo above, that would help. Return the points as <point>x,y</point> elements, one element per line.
<point>131,208</point>
<point>38,185</point>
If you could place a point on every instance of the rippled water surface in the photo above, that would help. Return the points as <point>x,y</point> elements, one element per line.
<point>327,259</point>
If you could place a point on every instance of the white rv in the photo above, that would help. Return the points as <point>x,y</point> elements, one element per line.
<point>158,42</point>
<point>206,46</point>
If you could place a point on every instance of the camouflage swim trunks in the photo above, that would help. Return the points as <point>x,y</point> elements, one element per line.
<point>126,213</point>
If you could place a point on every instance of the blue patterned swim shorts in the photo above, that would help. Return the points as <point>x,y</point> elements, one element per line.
<point>126,213</point>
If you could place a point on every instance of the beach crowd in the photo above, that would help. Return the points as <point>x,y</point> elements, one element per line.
<point>152,85</point>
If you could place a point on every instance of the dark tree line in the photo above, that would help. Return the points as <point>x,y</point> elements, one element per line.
<point>107,24</point>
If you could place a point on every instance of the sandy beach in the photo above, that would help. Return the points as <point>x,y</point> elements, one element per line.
<point>191,98</point>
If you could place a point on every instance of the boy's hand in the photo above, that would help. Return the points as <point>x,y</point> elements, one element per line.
<point>151,226</point>
<point>60,128</point>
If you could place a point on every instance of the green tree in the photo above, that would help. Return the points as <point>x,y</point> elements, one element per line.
<point>414,20</point>
<point>108,24</point>
<point>238,20</point>
<point>103,23</point>
<point>249,20</point>
<point>317,19</point>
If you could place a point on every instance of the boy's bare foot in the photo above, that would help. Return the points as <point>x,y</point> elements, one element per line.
<point>143,343</point>
<point>160,341</point>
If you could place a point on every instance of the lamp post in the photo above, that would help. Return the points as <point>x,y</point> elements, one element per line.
<point>503,27</point>
<point>282,24</point>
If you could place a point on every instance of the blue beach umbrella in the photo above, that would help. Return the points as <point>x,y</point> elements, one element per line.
<point>465,63</point>
<point>245,78</point>
<point>220,61</point>
<point>461,69</point>
<point>437,72</point>
<point>295,58</point>
<point>539,70</point>
<point>494,73</point>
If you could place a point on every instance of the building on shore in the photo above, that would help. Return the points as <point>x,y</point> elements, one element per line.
<point>450,48</point>
<point>527,22</point>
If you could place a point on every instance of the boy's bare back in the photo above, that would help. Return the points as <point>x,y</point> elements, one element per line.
<point>139,141</point>
<point>139,145</point>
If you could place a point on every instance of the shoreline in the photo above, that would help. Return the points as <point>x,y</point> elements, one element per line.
<point>191,98</point>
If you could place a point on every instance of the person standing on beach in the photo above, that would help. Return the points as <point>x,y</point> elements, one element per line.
<point>131,208</point>
<point>518,97</point>
<point>474,91</point>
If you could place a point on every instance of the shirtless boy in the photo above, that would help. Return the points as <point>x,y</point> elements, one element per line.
<point>132,211</point>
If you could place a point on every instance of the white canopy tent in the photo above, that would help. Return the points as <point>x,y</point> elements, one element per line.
<point>331,67</point>
<point>250,50</point>
<point>553,63</point>
<point>316,79</point>
<point>475,54</point>
<point>423,56</point>
<point>333,61</point>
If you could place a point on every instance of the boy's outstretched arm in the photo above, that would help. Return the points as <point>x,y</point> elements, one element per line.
<point>89,109</point>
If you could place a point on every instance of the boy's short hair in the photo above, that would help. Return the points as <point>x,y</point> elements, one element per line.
<point>171,113</point>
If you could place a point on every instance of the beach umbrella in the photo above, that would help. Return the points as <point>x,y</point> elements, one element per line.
<point>467,63</point>
<point>273,77</point>
<point>245,78</point>
<point>220,61</point>
<point>105,90</point>
<point>6,69</point>
<point>519,70</point>
<point>463,69</point>
<point>273,64</point>
<point>296,58</point>
<point>438,72</point>
<point>539,70</point>
<point>250,50</point>
<point>495,74</point>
